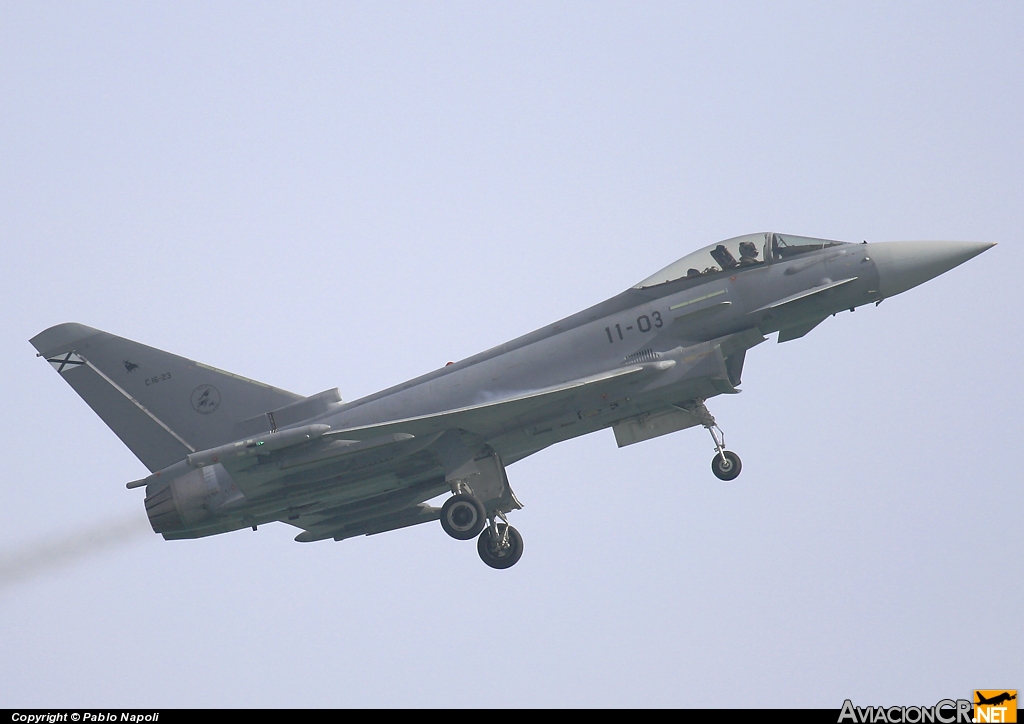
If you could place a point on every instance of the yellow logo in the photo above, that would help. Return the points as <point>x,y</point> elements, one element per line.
<point>995,705</point>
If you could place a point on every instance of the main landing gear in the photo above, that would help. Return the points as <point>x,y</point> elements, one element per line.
<point>474,512</point>
<point>500,545</point>
<point>463,517</point>
<point>726,464</point>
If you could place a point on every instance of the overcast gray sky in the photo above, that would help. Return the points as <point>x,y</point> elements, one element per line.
<point>339,194</point>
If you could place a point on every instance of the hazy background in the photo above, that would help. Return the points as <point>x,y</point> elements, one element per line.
<point>338,194</point>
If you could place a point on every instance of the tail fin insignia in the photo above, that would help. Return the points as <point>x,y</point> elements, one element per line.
<point>67,361</point>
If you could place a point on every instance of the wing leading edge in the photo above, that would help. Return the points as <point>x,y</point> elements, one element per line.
<point>484,417</point>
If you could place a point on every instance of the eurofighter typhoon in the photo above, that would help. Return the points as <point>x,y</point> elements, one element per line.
<point>226,452</point>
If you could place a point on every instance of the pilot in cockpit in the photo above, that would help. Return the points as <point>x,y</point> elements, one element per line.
<point>748,254</point>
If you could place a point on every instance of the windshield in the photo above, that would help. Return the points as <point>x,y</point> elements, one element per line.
<point>785,246</point>
<point>740,252</point>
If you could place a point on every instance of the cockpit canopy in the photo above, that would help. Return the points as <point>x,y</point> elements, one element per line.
<point>739,252</point>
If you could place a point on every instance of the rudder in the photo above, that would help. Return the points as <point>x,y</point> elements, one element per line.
<point>160,405</point>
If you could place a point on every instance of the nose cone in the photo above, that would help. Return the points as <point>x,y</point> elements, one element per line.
<point>903,265</point>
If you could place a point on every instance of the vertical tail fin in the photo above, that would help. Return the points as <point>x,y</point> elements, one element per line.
<point>160,405</point>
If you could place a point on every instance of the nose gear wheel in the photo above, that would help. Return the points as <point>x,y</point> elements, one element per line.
<point>726,464</point>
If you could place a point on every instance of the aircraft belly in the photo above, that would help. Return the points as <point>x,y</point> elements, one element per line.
<point>380,523</point>
<point>514,445</point>
<point>653,424</point>
<point>388,511</point>
<point>348,482</point>
<point>365,499</point>
<point>405,473</point>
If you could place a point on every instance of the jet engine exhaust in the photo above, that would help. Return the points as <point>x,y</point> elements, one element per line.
<point>18,565</point>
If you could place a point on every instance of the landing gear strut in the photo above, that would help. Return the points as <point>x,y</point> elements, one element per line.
<point>726,464</point>
<point>471,512</point>
<point>500,545</point>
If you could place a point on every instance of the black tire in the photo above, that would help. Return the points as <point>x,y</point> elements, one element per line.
<point>463,517</point>
<point>498,558</point>
<point>727,469</point>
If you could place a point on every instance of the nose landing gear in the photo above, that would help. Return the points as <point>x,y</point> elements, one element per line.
<point>726,464</point>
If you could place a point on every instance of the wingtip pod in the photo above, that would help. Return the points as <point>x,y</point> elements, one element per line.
<point>903,265</point>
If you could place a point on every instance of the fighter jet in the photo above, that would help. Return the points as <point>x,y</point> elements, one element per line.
<point>226,452</point>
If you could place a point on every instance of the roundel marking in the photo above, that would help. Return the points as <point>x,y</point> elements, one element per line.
<point>205,399</point>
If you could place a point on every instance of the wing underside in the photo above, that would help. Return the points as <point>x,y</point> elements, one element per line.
<point>383,484</point>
